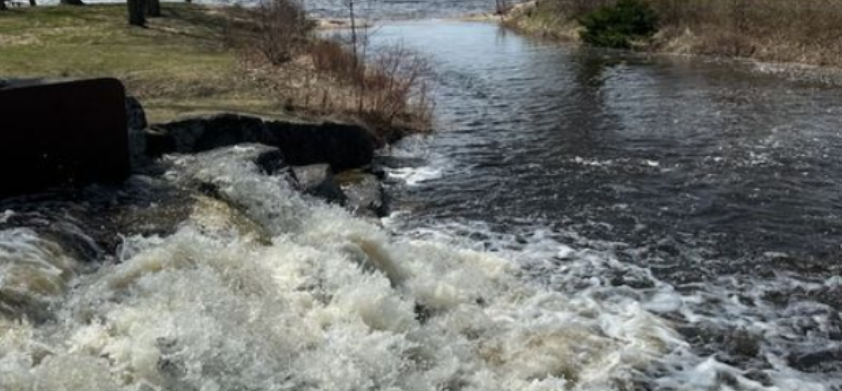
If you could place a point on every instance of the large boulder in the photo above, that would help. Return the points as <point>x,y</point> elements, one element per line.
<point>206,133</point>
<point>317,180</point>
<point>342,146</point>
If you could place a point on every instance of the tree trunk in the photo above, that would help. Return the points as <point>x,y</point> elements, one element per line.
<point>71,2</point>
<point>137,13</point>
<point>33,3</point>
<point>153,8</point>
<point>2,5</point>
<point>188,1</point>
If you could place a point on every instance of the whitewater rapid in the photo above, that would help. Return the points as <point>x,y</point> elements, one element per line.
<point>262,288</point>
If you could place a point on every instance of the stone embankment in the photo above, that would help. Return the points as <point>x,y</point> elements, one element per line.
<point>67,135</point>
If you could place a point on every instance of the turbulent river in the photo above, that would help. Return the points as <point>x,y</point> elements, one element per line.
<point>582,221</point>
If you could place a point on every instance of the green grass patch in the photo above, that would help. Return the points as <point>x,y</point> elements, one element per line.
<point>178,65</point>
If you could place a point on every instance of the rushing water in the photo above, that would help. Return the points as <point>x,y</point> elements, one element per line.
<point>582,221</point>
<point>712,193</point>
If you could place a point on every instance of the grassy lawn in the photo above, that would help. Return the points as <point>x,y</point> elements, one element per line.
<point>177,66</point>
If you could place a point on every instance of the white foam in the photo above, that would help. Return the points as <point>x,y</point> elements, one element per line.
<point>6,215</point>
<point>330,302</point>
<point>413,176</point>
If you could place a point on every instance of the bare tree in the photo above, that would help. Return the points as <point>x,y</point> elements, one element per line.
<point>353,18</point>
<point>501,7</point>
<point>137,12</point>
<point>281,29</point>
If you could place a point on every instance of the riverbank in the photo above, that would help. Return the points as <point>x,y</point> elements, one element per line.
<point>748,29</point>
<point>183,64</point>
<point>177,66</point>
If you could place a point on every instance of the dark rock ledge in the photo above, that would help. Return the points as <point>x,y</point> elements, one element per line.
<point>342,146</point>
<point>328,160</point>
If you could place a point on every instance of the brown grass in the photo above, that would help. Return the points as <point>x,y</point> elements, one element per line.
<point>800,31</point>
<point>190,62</point>
<point>543,19</point>
<point>178,66</point>
<point>385,90</point>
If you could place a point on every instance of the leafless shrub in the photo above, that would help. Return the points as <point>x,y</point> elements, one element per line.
<point>277,29</point>
<point>395,85</point>
<point>385,89</point>
<point>390,89</point>
<point>502,7</point>
<point>332,57</point>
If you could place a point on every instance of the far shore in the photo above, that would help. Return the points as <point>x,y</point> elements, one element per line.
<point>532,18</point>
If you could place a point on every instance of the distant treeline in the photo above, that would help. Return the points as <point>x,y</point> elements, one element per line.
<point>807,31</point>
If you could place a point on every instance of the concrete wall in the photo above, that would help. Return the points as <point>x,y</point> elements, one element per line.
<point>62,135</point>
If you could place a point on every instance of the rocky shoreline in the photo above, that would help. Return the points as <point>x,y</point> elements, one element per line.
<point>332,161</point>
<point>87,224</point>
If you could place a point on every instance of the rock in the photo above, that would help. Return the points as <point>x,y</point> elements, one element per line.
<point>63,135</point>
<point>136,124</point>
<point>317,180</point>
<point>340,145</point>
<point>378,171</point>
<point>742,344</point>
<point>271,161</point>
<point>158,143</point>
<point>135,115</point>
<point>826,360</point>
<point>150,207</point>
<point>205,133</point>
<point>365,193</point>
<point>422,313</point>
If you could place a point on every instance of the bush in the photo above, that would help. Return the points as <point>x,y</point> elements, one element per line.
<point>618,25</point>
<point>277,29</point>
<point>383,87</point>
<point>389,88</point>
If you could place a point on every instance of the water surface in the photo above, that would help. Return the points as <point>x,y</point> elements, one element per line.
<point>714,179</point>
<point>582,221</point>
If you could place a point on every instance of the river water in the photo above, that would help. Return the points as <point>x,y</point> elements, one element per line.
<point>629,148</point>
<point>709,190</point>
<point>583,220</point>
